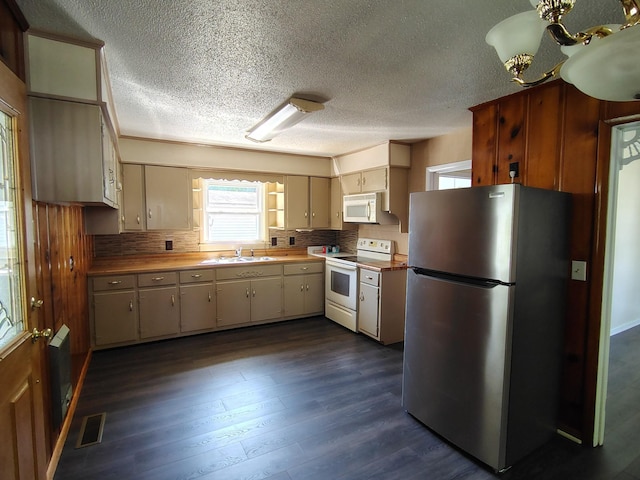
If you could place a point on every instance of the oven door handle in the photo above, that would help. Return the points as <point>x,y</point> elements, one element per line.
<point>344,268</point>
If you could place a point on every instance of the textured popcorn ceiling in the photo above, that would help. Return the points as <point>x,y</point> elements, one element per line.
<point>207,70</point>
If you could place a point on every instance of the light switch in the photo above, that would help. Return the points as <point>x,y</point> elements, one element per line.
<point>579,270</point>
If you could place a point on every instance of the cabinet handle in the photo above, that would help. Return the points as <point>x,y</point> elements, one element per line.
<point>149,213</point>
<point>138,218</point>
<point>115,282</point>
<point>247,293</point>
<point>304,268</point>
<point>306,214</point>
<point>254,293</point>
<point>302,288</point>
<point>307,287</point>
<point>362,297</point>
<point>368,277</point>
<point>209,296</point>
<point>313,214</point>
<point>358,182</point>
<point>364,180</point>
<point>173,300</point>
<point>196,275</point>
<point>131,305</point>
<point>157,279</point>
<point>337,214</point>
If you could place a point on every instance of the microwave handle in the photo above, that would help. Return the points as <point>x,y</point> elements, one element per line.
<point>368,210</point>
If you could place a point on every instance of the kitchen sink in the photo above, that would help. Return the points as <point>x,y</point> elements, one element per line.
<point>225,260</point>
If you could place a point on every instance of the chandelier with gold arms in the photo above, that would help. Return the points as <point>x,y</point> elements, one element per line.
<point>603,61</point>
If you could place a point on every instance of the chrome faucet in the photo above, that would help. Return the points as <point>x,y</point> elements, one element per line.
<point>252,252</point>
<point>239,252</point>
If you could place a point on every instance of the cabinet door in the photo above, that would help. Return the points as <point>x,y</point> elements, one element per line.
<point>197,307</point>
<point>335,209</point>
<point>266,299</point>
<point>167,192</point>
<point>374,180</point>
<point>294,295</point>
<point>485,137</point>
<point>296,192</point>
<point>368,309</point>
<point>159,312</point>
<point>109,166</point>
<point>351,183</point>
<point>314,293</point>
<point>115,317</point>
<point>319,202</point>
<point>233,302</point>
<point>66,151</point>
<point>133,197</point>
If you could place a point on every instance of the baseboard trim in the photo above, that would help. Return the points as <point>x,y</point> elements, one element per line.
<point>66,425</point>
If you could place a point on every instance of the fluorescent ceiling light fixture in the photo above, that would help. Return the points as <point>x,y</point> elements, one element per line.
<point>603,60</point>
<point>294,110</point>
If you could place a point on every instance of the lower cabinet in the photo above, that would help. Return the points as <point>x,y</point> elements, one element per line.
<point>303,289</point>
<point>114,310</point>
<point>159,309</point>
<point>133,308</point>
<point>381,305</point>
<point>256,297</point>
<point>197,300</point>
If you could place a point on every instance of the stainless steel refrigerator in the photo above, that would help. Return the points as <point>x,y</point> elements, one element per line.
<point>485,313</point>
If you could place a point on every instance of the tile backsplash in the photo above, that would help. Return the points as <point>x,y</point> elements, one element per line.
<point>150,243</point>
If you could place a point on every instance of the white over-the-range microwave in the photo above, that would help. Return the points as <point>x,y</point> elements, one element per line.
<point>366,208</point>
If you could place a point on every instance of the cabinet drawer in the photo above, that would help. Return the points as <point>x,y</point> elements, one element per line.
<point>155,279</point>
<point>301,268</point>
<point>229,273</point>
<point>193,276</point>
<point>369,277</point>
<point>113,282</point>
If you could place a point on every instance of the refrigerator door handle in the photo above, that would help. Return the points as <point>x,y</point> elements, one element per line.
<point>448,277</point>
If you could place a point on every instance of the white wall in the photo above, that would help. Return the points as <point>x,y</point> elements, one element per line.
<point>625,311</point>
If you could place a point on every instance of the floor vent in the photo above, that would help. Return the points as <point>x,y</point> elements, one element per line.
<point>91,430</point>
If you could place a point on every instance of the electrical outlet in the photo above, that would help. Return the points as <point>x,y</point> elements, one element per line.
<point>579,270</point>
<point>274,241</point>
<point>292,240</point>
<point>514,167</point>
<point>168,244</point>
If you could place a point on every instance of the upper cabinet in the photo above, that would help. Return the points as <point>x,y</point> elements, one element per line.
<point>167,198</point>
<point>365,182</point>
<point>306,202</point>
<point>336,213</point>
<point>383,168</point>
<point>73,156</point>
<point>74,151</point>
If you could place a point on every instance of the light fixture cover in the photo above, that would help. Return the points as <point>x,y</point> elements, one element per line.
<point>282,118</point>
<point>516,35</point>
<point>608,68</point>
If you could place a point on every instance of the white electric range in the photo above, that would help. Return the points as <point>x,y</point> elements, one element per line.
<point>341,280</point>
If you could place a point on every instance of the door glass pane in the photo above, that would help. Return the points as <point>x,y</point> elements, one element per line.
<point>11,320</point>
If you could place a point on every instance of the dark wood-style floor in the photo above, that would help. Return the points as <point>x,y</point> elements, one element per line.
<point>304,399</point>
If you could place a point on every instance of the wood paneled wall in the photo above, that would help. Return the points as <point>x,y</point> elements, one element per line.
<point>561,140</point>
<point>65,254</point>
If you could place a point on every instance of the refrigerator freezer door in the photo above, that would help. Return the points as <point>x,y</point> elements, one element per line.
<point>468,232</point>
<point>456,361</point>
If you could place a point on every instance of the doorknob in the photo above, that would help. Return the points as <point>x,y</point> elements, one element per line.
<point>36,303</point>
<point>35,334</point>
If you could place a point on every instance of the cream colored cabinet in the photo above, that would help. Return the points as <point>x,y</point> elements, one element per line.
<point>73,158</point>
<point>114,312</point>
<point>303,289</point>
<point>133,211</point>
<point>336,213</point>
<point>159,305</point>
<point>306,202</point>
<point>248,294</point>
<point>197,300</point>
<point>365,181</point>
<point>381,304</point>
<point>167,198</point>
<point>275,205</point>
